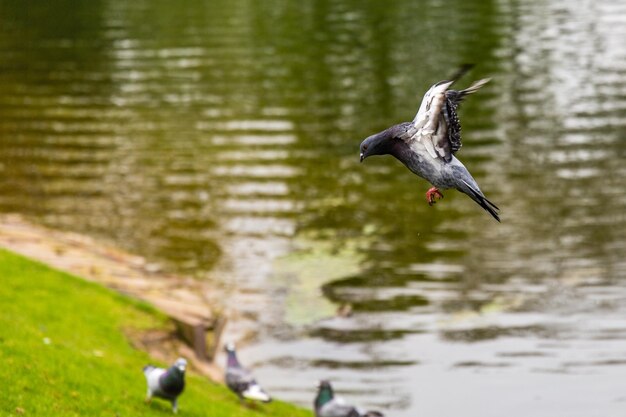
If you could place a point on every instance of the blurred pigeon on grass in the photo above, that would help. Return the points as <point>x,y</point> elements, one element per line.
<point>240,380</point>
<point>327,405</point>
<point>166,383</point>
<point>426,146</point>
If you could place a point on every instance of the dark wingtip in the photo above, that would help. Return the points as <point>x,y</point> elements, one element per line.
<point>488,207</point>
<point>461,71</point>
<point>482,201</point>
<point>491,208</point>
<point>491,204</point>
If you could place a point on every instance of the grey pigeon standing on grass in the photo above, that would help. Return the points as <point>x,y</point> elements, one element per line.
<point>327,405</point>
<point>240,380</point>
<point>166,383</point>
<point>427,144</point>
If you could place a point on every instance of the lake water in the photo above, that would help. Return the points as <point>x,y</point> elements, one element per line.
<point>220,139</point>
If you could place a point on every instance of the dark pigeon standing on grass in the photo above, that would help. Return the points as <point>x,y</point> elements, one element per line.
<point>166,383</point>
<point>327,405</point>
<point>240,380</point>
<point>427,144</point>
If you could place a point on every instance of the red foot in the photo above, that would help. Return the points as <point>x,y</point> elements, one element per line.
<point>433,194</point>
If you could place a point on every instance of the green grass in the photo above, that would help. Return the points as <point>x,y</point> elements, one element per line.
<point>63,352</point>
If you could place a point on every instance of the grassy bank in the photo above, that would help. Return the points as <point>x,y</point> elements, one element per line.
<point>63,352</point>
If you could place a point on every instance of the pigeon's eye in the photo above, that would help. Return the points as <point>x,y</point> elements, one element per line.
<point>364,147</point>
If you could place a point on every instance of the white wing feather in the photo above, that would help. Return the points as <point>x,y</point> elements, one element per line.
<point>152,379</point>
<point>430,127</point>
<point>429,117</point>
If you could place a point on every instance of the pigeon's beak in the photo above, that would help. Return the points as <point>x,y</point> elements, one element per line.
<point>362,157</point>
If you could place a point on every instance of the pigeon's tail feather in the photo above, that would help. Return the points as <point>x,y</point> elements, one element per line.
<point>482,201</point>
<point>148,368</point>
<point>256,393</point>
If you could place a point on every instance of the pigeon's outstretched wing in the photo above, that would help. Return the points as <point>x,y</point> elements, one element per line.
<point>436,124</point>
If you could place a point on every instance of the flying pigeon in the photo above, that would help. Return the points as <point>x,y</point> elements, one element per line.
<point>240,380</point>
<point>427,144</point>
<point>166,383</point>
<point>327,405</point>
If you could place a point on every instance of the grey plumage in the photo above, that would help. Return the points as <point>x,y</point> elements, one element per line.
<point>166,383</point>
<point>427,145</point>
<point>326,404</point>
<point>240,380</point>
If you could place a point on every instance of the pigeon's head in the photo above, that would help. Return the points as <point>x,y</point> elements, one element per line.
<point>181,364</point>
<point>324,394</point>
<point>229,347</point>
<point>381,143</point>
<point>370,146</point>
<point>324,385</point>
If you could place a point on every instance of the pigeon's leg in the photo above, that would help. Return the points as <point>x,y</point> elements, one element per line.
<point>175,406</point>
<point>432,194</point>
<point>148,396</point>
